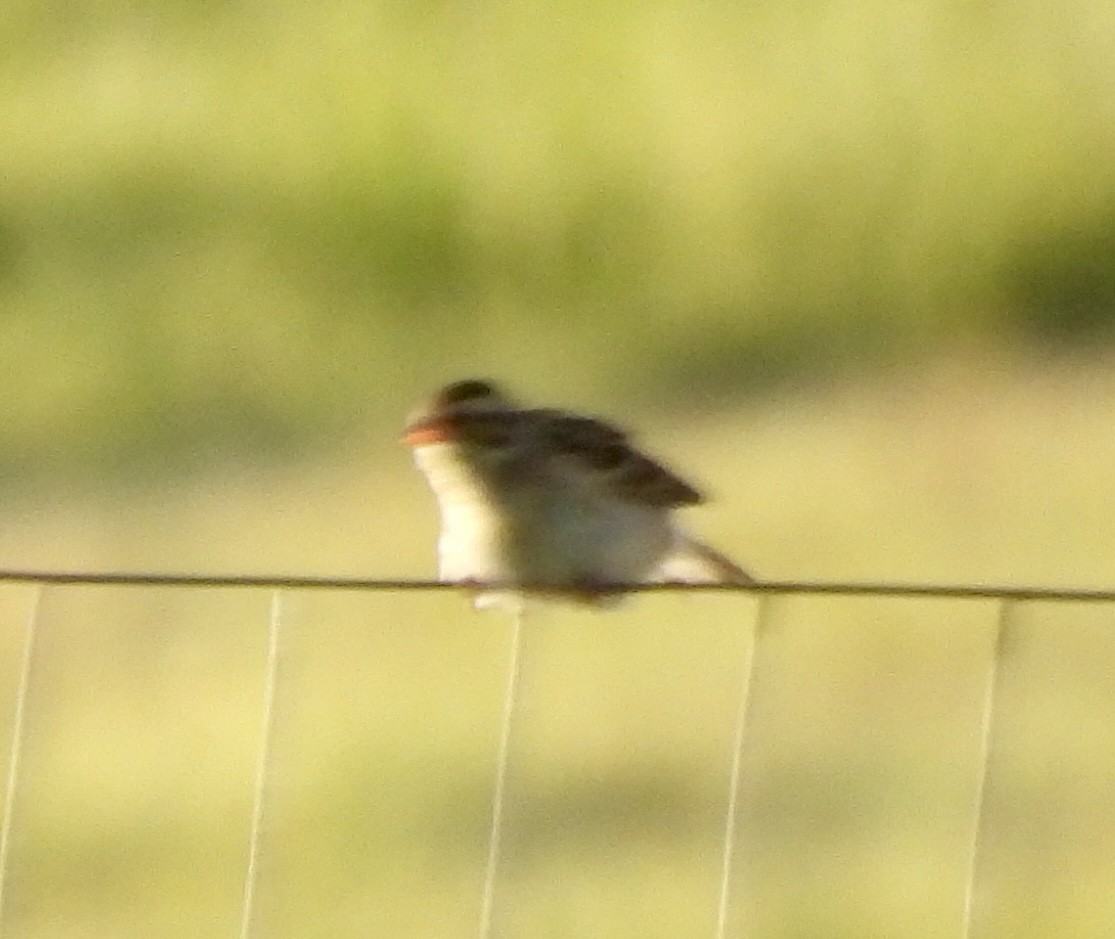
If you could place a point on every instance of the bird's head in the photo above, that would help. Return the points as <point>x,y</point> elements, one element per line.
<point>473,414</point>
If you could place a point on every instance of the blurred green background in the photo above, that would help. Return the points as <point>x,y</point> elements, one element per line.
<point>235,229</point>
<point>850,266</point>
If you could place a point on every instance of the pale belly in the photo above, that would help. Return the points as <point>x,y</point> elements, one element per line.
<point>471,545</point>
<point>599,542</point>
<point>540,535</point>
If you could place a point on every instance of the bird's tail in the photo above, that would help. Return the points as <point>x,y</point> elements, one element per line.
<point>695,562</point>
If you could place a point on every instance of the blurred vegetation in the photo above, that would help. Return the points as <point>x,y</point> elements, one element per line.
<point>229,229</point>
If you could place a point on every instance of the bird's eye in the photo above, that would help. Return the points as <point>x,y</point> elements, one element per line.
<point>468,390</point>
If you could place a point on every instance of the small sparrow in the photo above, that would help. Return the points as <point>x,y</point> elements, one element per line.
<point>551,504</point>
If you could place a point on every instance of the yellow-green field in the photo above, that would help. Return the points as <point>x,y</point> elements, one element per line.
<point>861,767</point>
<point>236,228</point>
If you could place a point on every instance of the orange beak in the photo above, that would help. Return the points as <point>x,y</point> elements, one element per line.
<point>422,434</point>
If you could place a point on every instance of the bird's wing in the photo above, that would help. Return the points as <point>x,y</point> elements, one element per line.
<point>604,457</point>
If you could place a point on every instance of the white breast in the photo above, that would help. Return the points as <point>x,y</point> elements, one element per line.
<point>471,530</point>
<point>553,531</point>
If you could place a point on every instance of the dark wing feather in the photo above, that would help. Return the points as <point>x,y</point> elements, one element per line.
<point>614,464</point>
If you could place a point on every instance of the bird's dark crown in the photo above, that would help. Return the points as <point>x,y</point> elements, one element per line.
<point>470,389</point>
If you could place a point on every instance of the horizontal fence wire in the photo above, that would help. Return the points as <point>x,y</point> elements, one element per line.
<point>312,582</point>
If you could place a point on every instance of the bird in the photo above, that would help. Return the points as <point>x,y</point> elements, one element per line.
<point>543,503</point>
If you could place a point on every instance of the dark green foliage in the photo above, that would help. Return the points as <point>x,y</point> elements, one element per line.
<point>1062,283</point>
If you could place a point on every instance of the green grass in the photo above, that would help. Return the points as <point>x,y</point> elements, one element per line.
<point>862,759</point>
<point>229,229</point>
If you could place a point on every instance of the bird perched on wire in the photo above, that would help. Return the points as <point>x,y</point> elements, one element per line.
<point>547,503</point>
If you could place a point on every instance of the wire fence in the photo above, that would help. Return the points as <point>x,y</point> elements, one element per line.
<point>296,582</point>
<point>1007,599</point>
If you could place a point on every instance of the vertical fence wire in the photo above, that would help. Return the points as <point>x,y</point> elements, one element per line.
<point>743,714</point>
<point>1004,624</point>
<point>251,875</point>
<point>987,727</point>
<point>499,787</point>
<point>18,721</point>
